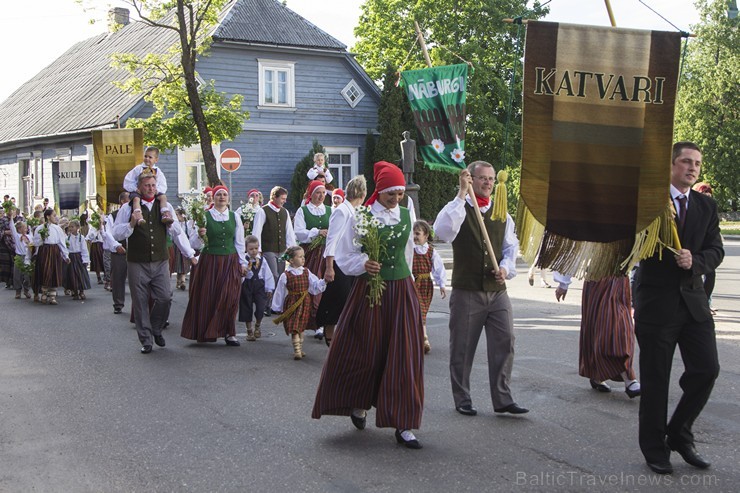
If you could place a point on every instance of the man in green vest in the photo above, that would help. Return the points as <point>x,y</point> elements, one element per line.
<point>148,262</point>
<point>479,299</point>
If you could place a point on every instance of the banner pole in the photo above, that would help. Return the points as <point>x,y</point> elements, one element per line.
<point>611,14</point>
<point>423,44</point>
<point>483,229</point>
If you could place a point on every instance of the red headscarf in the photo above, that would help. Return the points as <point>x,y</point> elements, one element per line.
<point>312,186</point>
<point>254,190</point>
<point>218,188</point>
<point>207,189</point>
<point>338,191</point>
<point>388,178</point>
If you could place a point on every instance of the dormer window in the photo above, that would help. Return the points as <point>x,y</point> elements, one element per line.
<point>352,93</point>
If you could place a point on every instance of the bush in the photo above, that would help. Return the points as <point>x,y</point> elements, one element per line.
<point>299,182</point>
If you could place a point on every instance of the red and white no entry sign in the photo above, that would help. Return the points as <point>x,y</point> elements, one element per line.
<point>230,159</point>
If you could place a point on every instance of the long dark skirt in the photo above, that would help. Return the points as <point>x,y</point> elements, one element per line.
<point>49,266</point>
<point>6,263</point>
<point>607,345</point>
<point>214,298</point>
<point>76,277</point>
<point>334,298</point>
<point>96,257</point>
<point>376,358</point>
<point>316,263</point>
<point>179,264</point>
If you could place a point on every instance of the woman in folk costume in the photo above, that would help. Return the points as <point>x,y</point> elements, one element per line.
<point>76,278</point>
<point>51,242</point>
<point>215,283</point>
<point>181,264</point>
<point>377,356</point>
<point>311,225</point>
<point>95,237</point>
<point>293,297</point>
<point>246,212</point>
<point>339,284</point>
<point>607,342</point>
<point>427,264</point>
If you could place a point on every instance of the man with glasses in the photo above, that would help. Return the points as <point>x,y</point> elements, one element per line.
<point>479,297</point>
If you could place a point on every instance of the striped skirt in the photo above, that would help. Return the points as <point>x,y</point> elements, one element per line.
<point>316,263</point>
<point>607,343</point>
<point>171,253</point>
<point>179,264</point>
<point>48,267</point>
<point>425,288</point>
<point>214,298</point>
<point>6,262</point>
<point>96,257</point>
<point>376,358</point>
<point>76,277</point>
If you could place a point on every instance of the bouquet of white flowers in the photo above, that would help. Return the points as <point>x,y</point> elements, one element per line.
<point>247,215</point>
<point>195,208</point>
<point>370,238</point>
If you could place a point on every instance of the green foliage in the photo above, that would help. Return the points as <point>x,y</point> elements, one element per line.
<point>367,167</point>
<point>708,108</point>
<point>474,31</point>
<point>299,182</point>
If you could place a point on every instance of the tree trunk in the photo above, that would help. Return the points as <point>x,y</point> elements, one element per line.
<point>188,45</point>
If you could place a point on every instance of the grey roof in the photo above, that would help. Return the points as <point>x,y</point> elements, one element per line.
<point>75,92</point>
<point>270,22</point>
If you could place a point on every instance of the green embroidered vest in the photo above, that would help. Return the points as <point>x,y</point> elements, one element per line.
<point>393,260</point>
<point>472,265</point>
<point>220,235</point>
<point>273,232</point>
<point>318,222</point>
<point>148,242</point>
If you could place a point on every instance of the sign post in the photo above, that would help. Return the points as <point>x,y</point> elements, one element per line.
<point>230,160</point>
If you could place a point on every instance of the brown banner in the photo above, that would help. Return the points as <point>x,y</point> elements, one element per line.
<point>116,153</point>
<point>598,128</point>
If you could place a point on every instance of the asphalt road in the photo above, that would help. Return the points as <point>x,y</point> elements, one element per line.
<point>81,410</point>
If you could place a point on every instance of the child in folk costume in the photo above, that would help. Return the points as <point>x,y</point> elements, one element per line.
<point>76,278</point>
<point>21,279</point>
<point>52,251</point>
<point>255,286</point>
<point>319,168</point>
<point>181,264</point>
<point>376,358</point>
<point>427,264</point>
<point>292,297</point>
<point>95,237</point>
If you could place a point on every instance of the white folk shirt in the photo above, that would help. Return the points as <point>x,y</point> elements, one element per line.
<point>122,229</point>
<point>77,244</point>
<point>450,220</point>
<point>315,286</point>
<point>197,242</point>
<point>302,234</point>
<point>131,181</point>
<point>57,236</point>
<point>439,274</point>
<point>259,223</point>
<point>350,258</point>
<point>338,221</point>
<point>264,273</point>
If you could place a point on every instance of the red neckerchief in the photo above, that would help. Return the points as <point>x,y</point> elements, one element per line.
<point>482,201</point>
<point>147,200</point>
<point>275,205</point>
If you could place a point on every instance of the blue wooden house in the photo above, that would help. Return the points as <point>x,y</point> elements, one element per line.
<point>299,85</point>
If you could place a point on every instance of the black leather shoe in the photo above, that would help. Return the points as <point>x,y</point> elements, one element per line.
<point>467,410</point>
<point>358,422</point>
<point>689,454</point>
<point>632,392</point>
<point>512,409</point>
<point>146,349</point>
<point>159,340</point>
<point>662,467</point>
<point>414,444</point>
<point>600,386</point>
<point>232,343</point>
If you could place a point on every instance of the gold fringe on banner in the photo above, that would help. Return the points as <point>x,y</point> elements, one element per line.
<point>590,260</point>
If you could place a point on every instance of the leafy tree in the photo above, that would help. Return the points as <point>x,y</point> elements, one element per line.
<point>299,182</point>
<point>472,30</point>
<point>708,109</point>
<point>186,112</point>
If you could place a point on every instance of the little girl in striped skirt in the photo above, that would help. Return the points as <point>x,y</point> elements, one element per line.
<point>427,264</point>
<point>52,250</point>
<point>293,297</point>
<point>77,280</point>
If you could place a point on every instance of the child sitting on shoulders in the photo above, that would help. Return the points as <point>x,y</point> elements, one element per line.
<point>319,168</point>
<point>293,297</point>
<point>259,282</point>
<point>130,183</point>
<point>427,265</point>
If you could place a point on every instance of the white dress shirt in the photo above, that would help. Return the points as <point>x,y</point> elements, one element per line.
<point>450,220</point>
<point>122,229</point>
<point>77,244</point>
<point>340,218</point>
<point>131,181</point>
<point>264,273</point>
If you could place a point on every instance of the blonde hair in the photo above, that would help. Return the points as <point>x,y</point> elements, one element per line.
<point>251,239</point>
<point>356,188</point>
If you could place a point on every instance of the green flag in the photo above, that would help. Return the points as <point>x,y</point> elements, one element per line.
<point>437,99</point>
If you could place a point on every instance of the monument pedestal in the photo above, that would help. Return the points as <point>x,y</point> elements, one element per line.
<point>412,191</point>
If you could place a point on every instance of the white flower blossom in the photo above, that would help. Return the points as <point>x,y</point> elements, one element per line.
<point>458,155</point>
<point>438,145</point>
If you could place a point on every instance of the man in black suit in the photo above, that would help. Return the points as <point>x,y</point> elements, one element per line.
<point>671,308</point>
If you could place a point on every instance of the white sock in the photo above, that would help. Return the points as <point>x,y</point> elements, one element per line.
<point>632,385</point>
<point>359,413</point>
<point>407,435</point>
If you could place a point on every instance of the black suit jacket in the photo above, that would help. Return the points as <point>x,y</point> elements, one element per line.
<point>660,285</point>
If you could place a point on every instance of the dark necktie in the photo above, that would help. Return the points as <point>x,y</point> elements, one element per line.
<point>681,212</point>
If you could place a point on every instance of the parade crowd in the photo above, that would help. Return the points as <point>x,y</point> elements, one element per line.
<point>361,273</point>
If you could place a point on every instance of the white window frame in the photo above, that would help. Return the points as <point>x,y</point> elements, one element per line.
<point>37,164</point>
<point>182,189</point>
<point>354,153</point>
<point>346,93</point>
<point>265,65</point>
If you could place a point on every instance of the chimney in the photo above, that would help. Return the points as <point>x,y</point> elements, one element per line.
<point>117,18</point>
